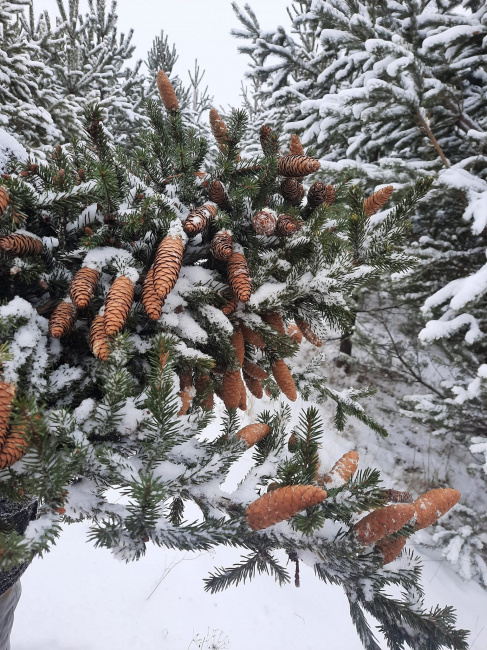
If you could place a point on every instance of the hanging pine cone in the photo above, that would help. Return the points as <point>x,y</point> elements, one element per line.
<point>7,394</point>
<point>253,370</point>
<point>83,287</point>
<point>376,200</point>
<point>99,338</point>
<point>230,306</point>
<point>382,523</point>
<point>199,219</point>
<point>118,303</point>
<point>396,496</point>
<point>239,277</point>
<point>265,134</point>
<point>4,199</point>
<point>151,301</point>
<point>231,389</point>
<point>218,128</point>
<point>218,195</point>
<point>292,191</point>
<point>281,504</point>
<point>242,404</point>
<point>20,244</point>
<point>222,245</point>
<point>62,320</point>
<point>166,92</point>
<point>308,333</point>
<point>274,319</point>
<point>252,337</point>
<point>284,379</point>
<point>204,391</point>
<point>254,433</point>
<point>14,448</point>
<point>390,548</point>
<point>433,505</point>
<point>286,225</point>
<point>320,193</point>
<point>343,469</point>
<point>297,166</point>
<point>254,385</point>
<point>294,333</point>
<point>295,146</point>
<point>264,222</point>
<point>237,341</point>
<point>185,391</point>
<point>167,264</point>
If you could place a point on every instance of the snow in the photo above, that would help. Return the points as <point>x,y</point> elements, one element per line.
<point>9,148</point>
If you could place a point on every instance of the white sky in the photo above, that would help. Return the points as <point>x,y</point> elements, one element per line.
<point>199,29</point>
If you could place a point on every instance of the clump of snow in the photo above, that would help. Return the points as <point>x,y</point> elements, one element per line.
<point>10,149</point>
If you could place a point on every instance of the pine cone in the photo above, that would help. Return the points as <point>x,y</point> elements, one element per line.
<point>284,379</point>
<point>4,199</point>
<point>22,245</point>
<point>185,391</point>
<point>7,394</point>
<point>292,191</point>
<point>166,92</point>
<point>292,443</point>
<point>294,333</point>
<point>253,370</point>
<point>433,505</point>
<point>297,166</point>
<point>204,391</point>
<point>218,128</point>
<point>308,333</point>
<point>222,245</point>
<point>254,433</point>
<point>286,225</point>
<point>83,287</point>
<point>14,448</point>
<point>237,341</point>
<point>343,469</point>
<point>295,146</point>
<point>118,303</point>
<point>242,405</point>
<point>167,265</point>
<point>254,338</point>
<point>99,338</point>
<point>391,548</point>
<point>217,194</point>
<point>264,222</point>
<point>239,277</point>
<point>231,389</point>
<point>62,320</point>
<point>320,193</point>
<point>281,504</point>
<point>382,523</point>
<point>268,140</point>
<point>376,200</point>
<point>396,496</point>
<point>199,219</point>
<point>254,385</point>
<point>274,319</point>
<point>230,306</point>
<point>151,301</point>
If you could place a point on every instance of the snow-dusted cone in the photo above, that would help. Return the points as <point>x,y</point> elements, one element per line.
<point>150,300</point>
<point>83,287</point>
<point>295,146</point>
<point>274,319</point>
<point>254,433</point>
<point>253,370</point>
<point>284,379</point>
<point>62,320</point>
<point>222,245</point>
<point>237,341</point>
<point>199,219</point>
<point>4,199</point>
<point>118,303</point>
<point>217,194</point>
<point>252,337</point>
<point>264,222</point>
<point>383,522</point>
<point>99,338</point>
<point>397,496</point>
<point>231,389</point>
<point>308,333</point>
<point>20,244</point>
<point>297,166</point>
<point>204,388</point>
<point>391,548</point>
<point>376,200</point>
<point>344,468</point>
<point>286,225</point>
<point>230,306</point>
<point>166,92</point>
<point>292,191</point>
<point>254,385</point>
<point>434,504</point>
<point>320,193</point>
<point>281,504</point>
<point>7,393</point>
<point>239,277</point>
<point>218,128</point>
<point>14,447</point>
<point>294,333</point>
<point>185,391</point>
<point>167,264</point>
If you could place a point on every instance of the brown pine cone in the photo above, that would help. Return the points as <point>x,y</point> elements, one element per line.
<point>376,200</point>
<point>166,92</point>
<point>254,385</point>
<point>222,245</point>
<point>252,337</point>
<point>218,128</point>
<point>217,194</point>
<point>185,391</point>
<point>281,504</point>
<point>239,277</point>
<point>255,371</point>
<point>295,146</point>
<point>391,548</point>
<point>265,134</point>
<point>199,219</point>
<point>62,320</point>
<point>292,191</point>
<point>99,338</point>
<point>320,193</point>
<point>118,303</point>
<point>286,225</point>
<point>242,405</point>
<point>22,245</point>
<point>383,522</point>
<point>274,319</point>
<point>7,394</point>
<point>167,264</point>
<point>151,301</point>
<point>264,222</point>
<point>83,287</point>
<point>343,469</point>
<point>297,166</point>
<point>308,333</point>
<point>237,341</point>
<point>254,433</point>
<point>204,391</point>
<point>14,448</point>
<point>231,389</point>
<point>434,504</point>
<point>292,443</point>
<point>4,199</point>
<point>284,379</point>
<point>396,496</point>
<point>230,306</point>
<point>294,333</point>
